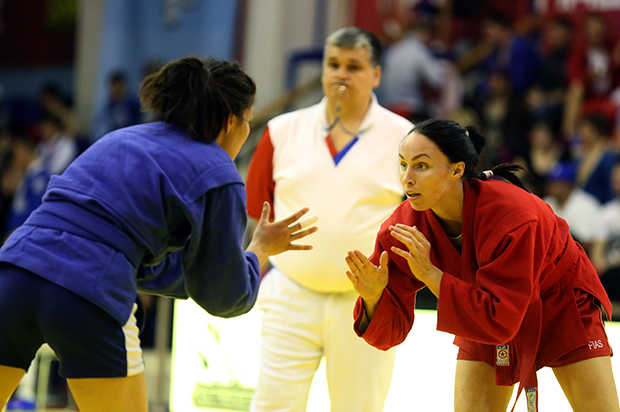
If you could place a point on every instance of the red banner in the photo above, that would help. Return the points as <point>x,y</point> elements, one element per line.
<point>36,33</point>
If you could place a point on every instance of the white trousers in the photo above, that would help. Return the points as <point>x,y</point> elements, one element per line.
<point>299,327</point>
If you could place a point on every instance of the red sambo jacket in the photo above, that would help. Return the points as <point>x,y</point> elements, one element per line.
<point>512,283</point>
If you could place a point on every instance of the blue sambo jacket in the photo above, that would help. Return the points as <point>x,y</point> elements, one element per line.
<point>144,209</point>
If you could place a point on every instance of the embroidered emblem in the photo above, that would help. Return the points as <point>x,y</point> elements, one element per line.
<point>502,358</point>
<point>531,399</point>
<point>595,344</point>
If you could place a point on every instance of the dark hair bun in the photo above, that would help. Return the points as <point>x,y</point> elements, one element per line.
<point>476,138</point>
<point>198,95</point>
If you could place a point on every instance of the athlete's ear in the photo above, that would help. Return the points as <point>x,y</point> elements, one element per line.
<point>229,122</point>
<point>459,170</point>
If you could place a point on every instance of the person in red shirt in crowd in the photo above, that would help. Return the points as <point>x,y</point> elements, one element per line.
<point>593,71</point>
<point>512,285</point>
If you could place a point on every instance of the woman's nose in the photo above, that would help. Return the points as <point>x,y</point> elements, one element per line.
<point>408,177</point>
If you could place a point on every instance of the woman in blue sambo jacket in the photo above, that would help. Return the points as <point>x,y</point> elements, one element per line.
<point>156,208</point>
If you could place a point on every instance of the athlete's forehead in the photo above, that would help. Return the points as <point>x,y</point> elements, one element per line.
<point>416,146</point>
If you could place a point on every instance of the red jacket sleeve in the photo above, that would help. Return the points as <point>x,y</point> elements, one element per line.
<point>259,181</point>
<point>492,310</point>
<point>394,316</point>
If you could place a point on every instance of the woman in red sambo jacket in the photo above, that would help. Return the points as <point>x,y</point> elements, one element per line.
<point>512,285</point>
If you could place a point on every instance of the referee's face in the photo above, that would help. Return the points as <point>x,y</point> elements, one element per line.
<point>348,74</point>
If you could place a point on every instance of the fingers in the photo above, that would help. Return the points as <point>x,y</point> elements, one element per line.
<point>402,253</point>
<point>405,238</point>
<point>412,230</point>
<point>298,247</point>
<point>304,223</point>
<point>295,216</point>
<point>266,212</point>
<point>350,264</point>
<point>362,258</point>
<point>356,263</point>
<point>303,233</point>
<point>402,232</point>
<point>299,235</point>
<point>403,228</point>
<point>352,278</point>
<point>383,261</point>
<point>410,236</point>
<point>308,222</point>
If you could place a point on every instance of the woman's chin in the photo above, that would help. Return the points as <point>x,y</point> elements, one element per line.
<point>415,205</point>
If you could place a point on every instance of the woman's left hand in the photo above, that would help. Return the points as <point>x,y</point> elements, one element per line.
<point>417,253</point>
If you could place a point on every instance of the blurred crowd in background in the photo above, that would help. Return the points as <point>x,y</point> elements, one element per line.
<point>544,90</point>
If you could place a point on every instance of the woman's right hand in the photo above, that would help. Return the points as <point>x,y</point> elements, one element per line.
<point>272,238</point>
<point>368,280</point>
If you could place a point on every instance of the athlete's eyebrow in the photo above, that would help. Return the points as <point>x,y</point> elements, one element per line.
<point>414,158</point>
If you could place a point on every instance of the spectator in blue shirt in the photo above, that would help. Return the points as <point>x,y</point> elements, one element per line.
<point>122,108</point>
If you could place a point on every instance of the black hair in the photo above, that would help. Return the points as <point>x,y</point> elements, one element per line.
<point>353,38</point>
<point>563,22</point>
<point>198,95</point>
<point>118,76</point>
<point>464,144</point>
<point>53,119</point>
<point>597,16</point>
<point>50,89</point>
<point>15,127</point>
<point>500,19</point>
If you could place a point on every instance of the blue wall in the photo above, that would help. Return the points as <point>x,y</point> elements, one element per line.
<point>26,82</point>
<point>136,32</point>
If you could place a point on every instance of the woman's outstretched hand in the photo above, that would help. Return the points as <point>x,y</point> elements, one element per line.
<point>368,280</point>
<point>272,238</point>
<point>417,253</point>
